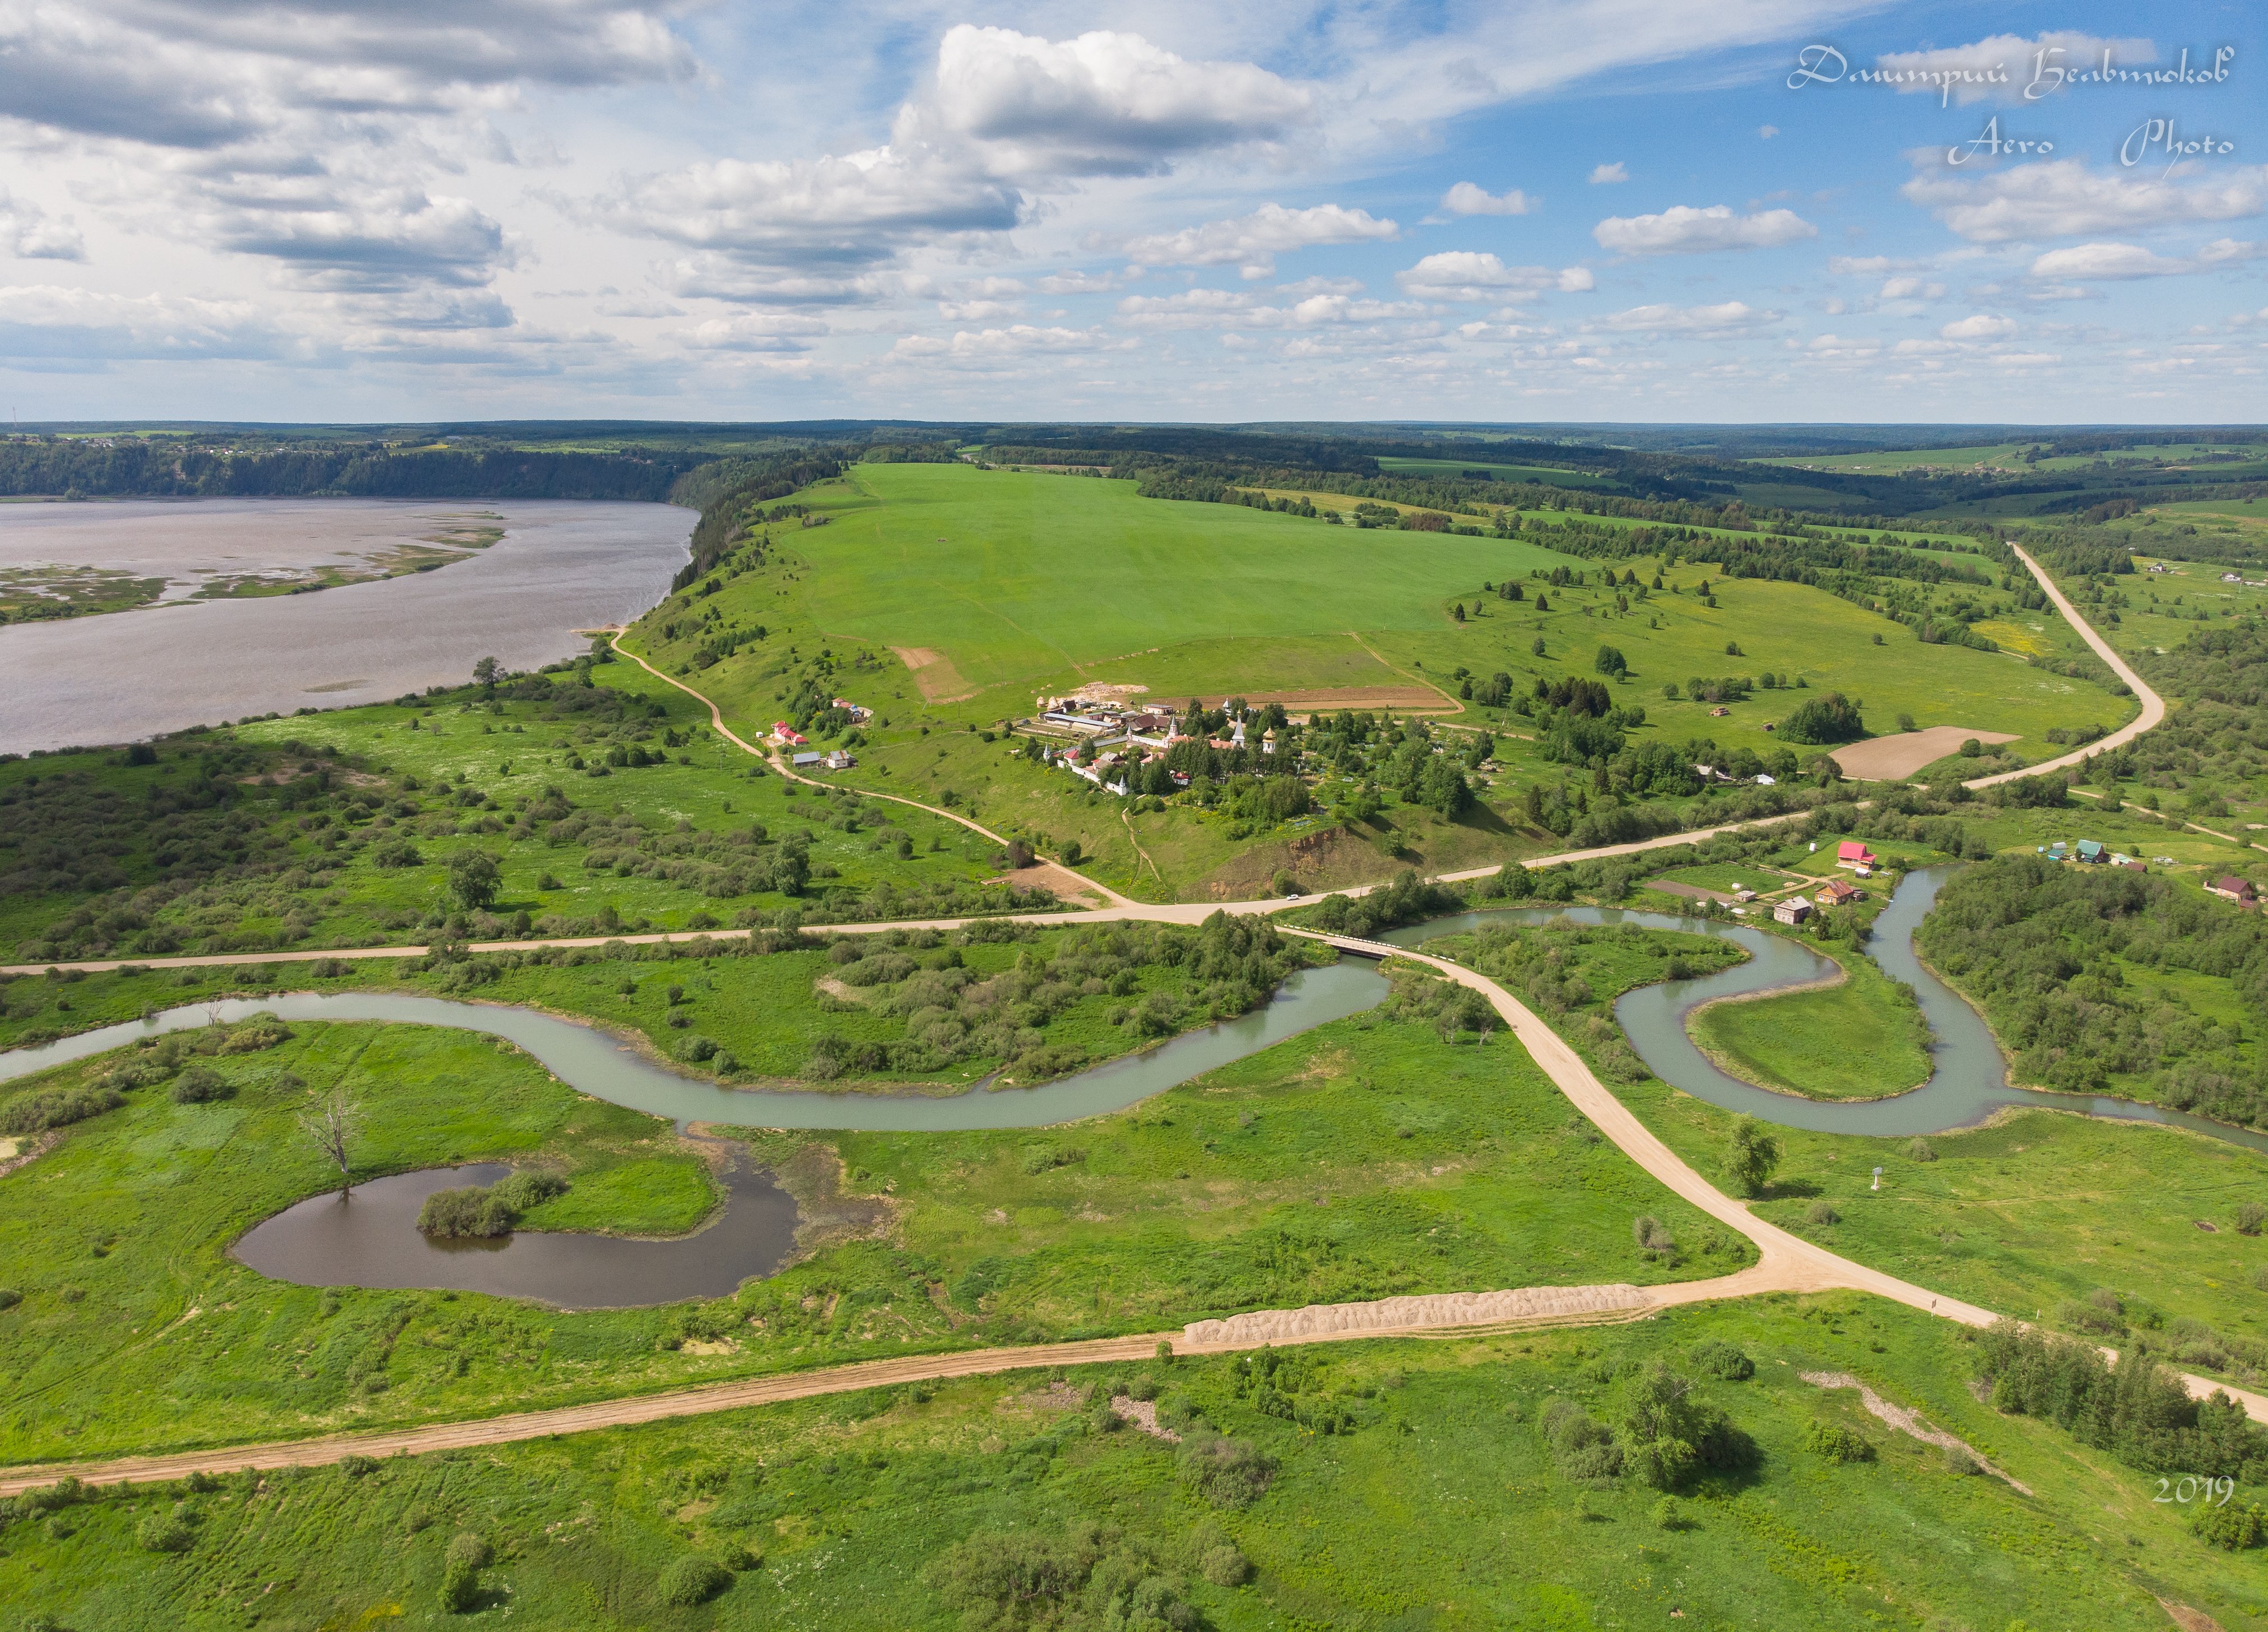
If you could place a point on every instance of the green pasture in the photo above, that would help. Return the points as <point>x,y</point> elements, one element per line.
<point>1859,1039</point>
<point>1363,1159</point>
<point>1036,580</point>
<point>1441,1506</point>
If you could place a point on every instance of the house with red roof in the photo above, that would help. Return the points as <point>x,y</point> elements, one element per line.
<point>1853,854</point>
<point>2234,889</point>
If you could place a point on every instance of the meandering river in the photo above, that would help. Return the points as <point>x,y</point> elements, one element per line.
<point>372,1239</point>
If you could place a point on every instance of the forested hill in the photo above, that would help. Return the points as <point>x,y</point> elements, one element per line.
<point>169,470</point>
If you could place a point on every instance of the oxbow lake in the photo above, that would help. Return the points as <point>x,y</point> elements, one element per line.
<point>561,565</point>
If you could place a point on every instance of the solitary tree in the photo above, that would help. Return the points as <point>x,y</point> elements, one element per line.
<point>1754,1154</point>
<point>330,1122</point>
<point>484,672</point>
<point>474,879</point>
<point>1610,661</point>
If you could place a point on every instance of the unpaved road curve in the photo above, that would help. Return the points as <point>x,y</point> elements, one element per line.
<point>1786,1263</point>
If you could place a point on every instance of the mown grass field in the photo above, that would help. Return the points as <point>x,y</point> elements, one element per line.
<point>1442,1508</point>
<point>1362,1159</point>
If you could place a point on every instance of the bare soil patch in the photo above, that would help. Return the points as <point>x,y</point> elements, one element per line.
<point>1691,891</point>
<point>1886,759</point>
<point>1408,698</point>
<point>1908,1422</point>
<point>1143,1414</point>
<point>934,674</point>
<point>1060,882</point>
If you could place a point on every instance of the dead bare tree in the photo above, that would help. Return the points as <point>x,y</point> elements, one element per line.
<point>330,1120</point>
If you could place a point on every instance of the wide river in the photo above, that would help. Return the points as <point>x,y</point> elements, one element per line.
<point>561,565</point>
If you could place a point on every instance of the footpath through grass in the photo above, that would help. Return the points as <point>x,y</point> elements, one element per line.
<point>1436,1501</point>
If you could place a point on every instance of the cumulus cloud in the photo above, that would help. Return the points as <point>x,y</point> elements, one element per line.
<point>1606,175</point>
<point>1685,229</point>
<point>1102,104</point>
<point>43,324</point>
<point>995,349</point>
<point>1251,243</point>
<point>1469,198</point>
<point>201,75</point>
<point>1005,115</point>
<point>768,331</point>
<point>838,214</point>
<point>1981,326</point>
<point>2063,198</point>
<point>1078,283</point>
<point>2130,260</point>
<point>1218,308</point>
<point>1730,317</point>
<point>1910,289</point>
<point>29,234</point>
<point>1470,275</point>
<point>2007,67</point>
<point>395,244</point>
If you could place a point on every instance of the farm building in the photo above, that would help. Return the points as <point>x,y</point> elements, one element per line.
<point>2234,889</point>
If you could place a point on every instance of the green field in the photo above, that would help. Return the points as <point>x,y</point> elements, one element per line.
<point>1366,1158</point>
<point>1549,475</point>
<point>1859,1039</point>
<point>898,1508</point>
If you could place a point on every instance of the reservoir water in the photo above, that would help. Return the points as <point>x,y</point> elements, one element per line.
<point>560,565</point>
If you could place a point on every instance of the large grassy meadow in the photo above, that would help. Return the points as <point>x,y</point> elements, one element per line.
<point>1439,1505</point>
<point>1366,1158</point>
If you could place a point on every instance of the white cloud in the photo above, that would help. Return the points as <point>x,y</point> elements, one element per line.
<point>1606,175</point>
<point>2063,198</point>
<point>1078,283</point>
<point>1102,104</point>
<point>43,324</point>
<point>1982,325</point>
<point>1251,243</point>
<point>2007,67</point>
<point>1469,198</point>
<point>2130,260</point>
<point>996,349</point>
<point>1470,275</point>
<point>1767,131</point>
<point>1909,289</point>
<point>29,234</point>
<point>1218,308</point>
<point>1683,229</point>
<point>1863,266</point>
<point>1728,317</point>
<point>770,331</point>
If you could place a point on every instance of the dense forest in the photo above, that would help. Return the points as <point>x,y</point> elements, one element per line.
<point>2069,963</point>
<point>131,467</point>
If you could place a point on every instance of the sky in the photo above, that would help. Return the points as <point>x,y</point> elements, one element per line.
<point>1161,210</point>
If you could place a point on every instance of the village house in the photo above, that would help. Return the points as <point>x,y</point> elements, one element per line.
<point>1854,855</point>
<point>786,734</point>
<point>1795,910</point>
<point>808,761</point>
<point>858,716</point>
<point>1835,893</point>
<point>2092,851</point>
<point>840,759</point>
<point>2234,889</point>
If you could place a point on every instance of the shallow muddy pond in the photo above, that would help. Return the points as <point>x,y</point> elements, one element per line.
<point>371,1238</point>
